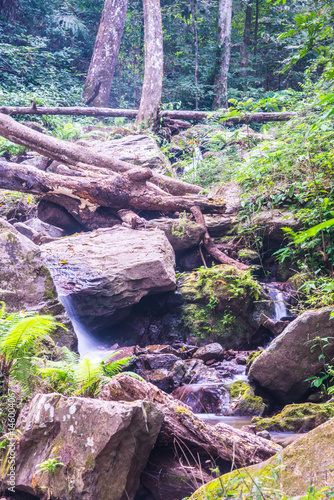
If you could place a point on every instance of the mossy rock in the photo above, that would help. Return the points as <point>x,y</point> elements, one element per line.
<point>219,304</point>
<point>248,254</point>
<point>244,400</point>
<point>297,418</point>
<point>307,461</point>
<point>252,356</point>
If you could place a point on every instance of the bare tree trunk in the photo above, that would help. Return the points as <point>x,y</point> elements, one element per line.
<point>152,87</point>
<point>256,28</point>
<point>132,113</point>
<point>193,14</point>
<point>223,54</point>
<point>103,63</point>
<point>246,40</point>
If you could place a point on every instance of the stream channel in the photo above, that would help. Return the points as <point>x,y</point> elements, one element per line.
<point>97,350</point>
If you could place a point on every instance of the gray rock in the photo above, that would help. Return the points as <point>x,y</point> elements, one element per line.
<point>103,445</point>
<point>218,224</point>
<point>136,149</point>
<point>210,351</point>
<point>272,221</point>
<point>108,270</point>
<point>27,231</point>
<point>25,283</point>
<point>292,357</point>
<point>43,227</point>
<point>182,234</point>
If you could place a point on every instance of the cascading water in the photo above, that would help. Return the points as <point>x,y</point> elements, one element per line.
<point>280,303</point>
<point>88,345</point>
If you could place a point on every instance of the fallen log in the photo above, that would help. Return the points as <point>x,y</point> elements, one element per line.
<point>83,196</point>
<point>209,245</point>
<point>132,113</point>
<point>72,154</point>
<point>182,427</point>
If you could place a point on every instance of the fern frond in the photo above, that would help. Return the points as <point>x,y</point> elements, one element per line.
<point>115,367</point>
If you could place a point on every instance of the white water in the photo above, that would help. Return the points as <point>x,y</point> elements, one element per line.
<point>88,346</point>
<point>281,310</point>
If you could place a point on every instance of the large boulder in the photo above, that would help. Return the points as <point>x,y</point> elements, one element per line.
<point>136,149</point>
<point>26,283</point>
<point>308,461</point>
<point>223,303</point>
<point>108,270</point>
<point>102,447</point>
<point>181,233</point>
<point>295,355</point>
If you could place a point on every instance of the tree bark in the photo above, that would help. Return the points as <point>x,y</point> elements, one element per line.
<point>246,39</point>
<point>223,53</point>
<point>209,245</point>
<point>193,14</point>
<point>256,28</point>
<point>73,154</point>
<point>82,196</point>
<point>132,113</point>
<point>152,87</point>
<point>104,59</point>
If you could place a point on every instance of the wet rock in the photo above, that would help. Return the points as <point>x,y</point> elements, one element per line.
<point>26,284</point>
<point>293,356</point>
<point>296,418</point>
<point>307,461</point>
<point>209,352</point>
<point>156,361</point>
<point>248,255</point>
<point>103,446</point>
<point>203,398</point>
<point>136,149</point>
<point>106,271</point>
<point>264,434</point>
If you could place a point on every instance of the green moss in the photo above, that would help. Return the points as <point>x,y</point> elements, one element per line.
<point>297,417</point>
<point>248,254</point>
<point>244,400</point>
<point>253,355</point>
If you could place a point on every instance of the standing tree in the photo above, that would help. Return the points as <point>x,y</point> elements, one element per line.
<point>247,37</point>
<point>223,53</point>
<point>104,59</point>
<point>152,87</point>
<point>193,16</point>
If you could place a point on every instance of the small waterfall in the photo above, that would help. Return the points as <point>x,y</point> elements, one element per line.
<point>88,345</point>
<point>281,310</point>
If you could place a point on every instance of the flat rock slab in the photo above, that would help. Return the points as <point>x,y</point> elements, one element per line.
<point>108,270</point>
<point>293,356</point>
<point>103,447</point>
<point>136,149</point>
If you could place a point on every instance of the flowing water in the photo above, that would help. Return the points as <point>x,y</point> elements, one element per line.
<point>281,310</point>
<point>88,345</point>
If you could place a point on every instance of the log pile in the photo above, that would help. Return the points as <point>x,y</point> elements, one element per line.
<point>95,185</point>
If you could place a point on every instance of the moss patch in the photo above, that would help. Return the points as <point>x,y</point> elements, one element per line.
<point>297,418</point>
<point>244,400</point>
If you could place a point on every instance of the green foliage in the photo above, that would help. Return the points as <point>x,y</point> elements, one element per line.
<point>19,333</point>
<point>49,465</point>
<point>80,376</point>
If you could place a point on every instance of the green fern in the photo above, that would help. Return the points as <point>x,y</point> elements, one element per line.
<point>18,335</point>
<point>72,375</point>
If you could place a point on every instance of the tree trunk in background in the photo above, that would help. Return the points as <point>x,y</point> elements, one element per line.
<point>104,59</point>
<point>9,9</point>
<point>256,29</point>
<point>246,40</point>
<point>193,14</point>
<point>152,87</point>
<point>224,51</point>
